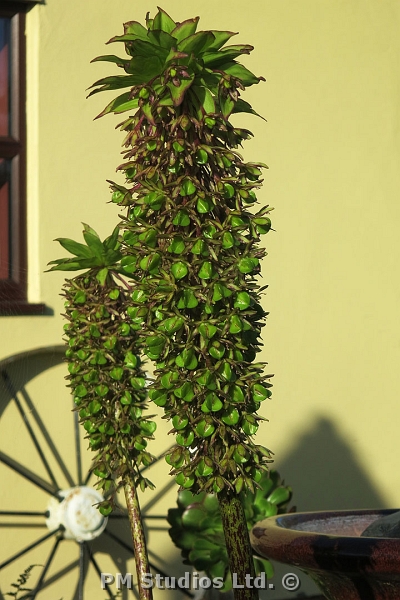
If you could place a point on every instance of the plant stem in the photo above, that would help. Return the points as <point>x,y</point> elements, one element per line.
<point>238,545</point>
<point>138,537</point>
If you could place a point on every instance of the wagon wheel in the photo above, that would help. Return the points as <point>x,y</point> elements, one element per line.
<point>47,518</point>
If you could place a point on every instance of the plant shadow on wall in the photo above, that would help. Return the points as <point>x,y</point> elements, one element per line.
<point>177,280</point>
<point>325,473</point>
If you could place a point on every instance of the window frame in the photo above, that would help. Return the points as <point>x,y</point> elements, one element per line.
<point>13,291</point>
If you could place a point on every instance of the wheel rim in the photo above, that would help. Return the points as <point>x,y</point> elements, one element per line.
<point>60,515</point>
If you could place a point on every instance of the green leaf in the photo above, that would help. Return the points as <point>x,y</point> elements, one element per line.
<point>242,106</point>
<point>242,301</point>
<point>101,276</point>
<point>240,455</point>
<point>220,38</point>
<point>168,380</point>
<point>198,247</point>
<point>178,91</point>
<point>139,296</point>
<point>231,417</point>
<point>163,39</point>
<point>187,300</point>
<point>235,324</point>
<point>131,360</point>
<point>172,325</point>
<point>249,425</point>
<point>201,156</point>
<point>227,105</point>
<point>177,245</point>
<point>181,218</point>
<point>197,43</point>
<point>227,240</point>
<point>93,241</point>
<point>163,21</point>
<point>111,242</point>
<point>66,264</point>
<point>263,225</point>
<point>204,429</point>
<point>135,28</point>
<point>203,470</point>
<point>154,340</point>
<point>138,383</point>
<point>80,391</point>
<point>239,71</point>
<point>179,270</point>
<point>247,265</point>
<point>120,104</point>
<point>214,59</point>
<point>237,394</point>
<point>158,397</point>
<point>151,262</point>
<point>260,392</point>
<point>179,422</point>
<point>185,392</point>
<point>206,270</point>
<point>116,82</point>
<point>205,98</point>
<point>76,248</point>
<point>217,350</point>
<point>226,371</point>
<point>185,440</point>
<point>185,29</point>
<point>148,237</point>
<point>187,359</point>
<point>187,188</point>
<point>229,190</point>
<point>183,480</point>
<point>212,403</point>
<point>155,199</point>
<point>204,205</point>
<point>117,373</point>
<point>80,297</point>
<point>207,330</point>
<point>111,58</point>
<point>129,264</point>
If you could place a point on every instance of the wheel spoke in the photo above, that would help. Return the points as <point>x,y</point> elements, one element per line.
<point>29,475</point>
<point>88,476</point>
<point>38,586</point>
<point>13,393</point>
<point>158,496</point>
<point>152,565</point>
<point>158,458</point>
<point>48,438</point>
<point>112,516</point>
<point>78,448</point>
<point>30,547</point>
<point>130,549</point>
<point>22,513</point>
<point>83,569</point>
<point>96,566</point>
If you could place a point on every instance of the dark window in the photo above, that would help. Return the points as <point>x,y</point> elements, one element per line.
<point>13,251</point>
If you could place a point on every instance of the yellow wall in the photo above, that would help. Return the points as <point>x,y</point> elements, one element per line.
<point>332,143</point>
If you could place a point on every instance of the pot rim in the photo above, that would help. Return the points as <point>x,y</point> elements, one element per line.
<point>287,539</point>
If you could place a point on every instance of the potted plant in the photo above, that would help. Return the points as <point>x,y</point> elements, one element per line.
<point>176,281</point>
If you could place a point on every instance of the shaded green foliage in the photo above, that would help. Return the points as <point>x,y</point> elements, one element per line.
<point>196,526</point>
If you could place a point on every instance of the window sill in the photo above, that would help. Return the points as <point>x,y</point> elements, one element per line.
<point>23,308</point>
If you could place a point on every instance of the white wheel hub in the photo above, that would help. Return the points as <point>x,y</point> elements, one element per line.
<point>77,514</point>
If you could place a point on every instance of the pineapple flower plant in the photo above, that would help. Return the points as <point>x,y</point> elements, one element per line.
<point>176,281</point>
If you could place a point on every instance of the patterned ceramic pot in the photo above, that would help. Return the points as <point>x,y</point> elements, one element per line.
<point>328,547</point>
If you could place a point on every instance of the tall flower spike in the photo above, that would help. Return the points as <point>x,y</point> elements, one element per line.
<point>105,371</point>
